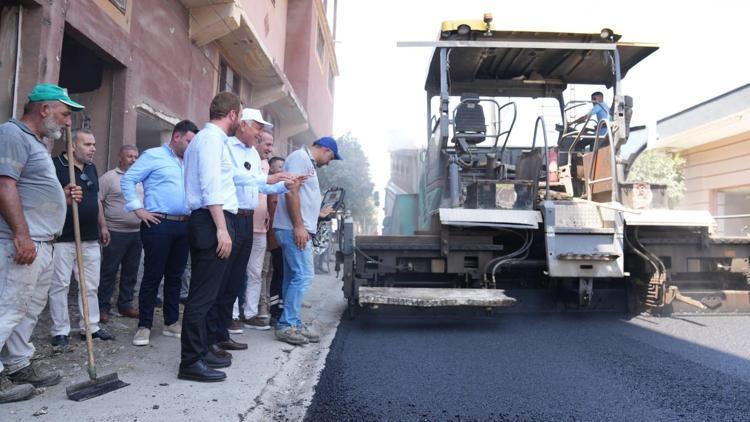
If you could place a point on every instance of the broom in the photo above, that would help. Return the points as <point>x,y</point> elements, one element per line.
<point>94,387</point>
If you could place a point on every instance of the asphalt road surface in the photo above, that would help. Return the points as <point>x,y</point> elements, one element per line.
<point>415,365</point>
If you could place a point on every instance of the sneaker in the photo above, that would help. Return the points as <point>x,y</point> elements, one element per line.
<point>30,375</point>
<point>141,337</point>
<point>59,341</point>
<point>309,332</point>
<point>257,323</point>
<point>291,335</point>
<point>235,327</point>
<point>10,392</point>
<point>174,330</point>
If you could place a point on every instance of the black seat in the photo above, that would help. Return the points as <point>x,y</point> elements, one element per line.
<point>468,123</point>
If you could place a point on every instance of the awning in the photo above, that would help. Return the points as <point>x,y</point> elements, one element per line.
<point>525,59</point>
<point>227,23</point>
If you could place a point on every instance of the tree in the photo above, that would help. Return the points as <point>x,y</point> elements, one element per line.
<point>662,168</point>
<point>353,174</point>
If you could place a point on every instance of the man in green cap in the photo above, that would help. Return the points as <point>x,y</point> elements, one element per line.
<point>32,213</point>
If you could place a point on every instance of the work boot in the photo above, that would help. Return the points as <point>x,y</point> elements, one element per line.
<point>309,332</point>
<point>30,375</point>
<point>173,330</point>
<point>10,392</point>
<point>59,341</point>
<point>291,335</point>
<point>102,334</point>
<point>141,337</point>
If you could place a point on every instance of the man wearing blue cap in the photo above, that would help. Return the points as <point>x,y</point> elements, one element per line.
<point>32,214</point>
<point>295,222</point>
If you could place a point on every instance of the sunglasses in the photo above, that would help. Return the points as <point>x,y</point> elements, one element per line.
<point>86,179</point>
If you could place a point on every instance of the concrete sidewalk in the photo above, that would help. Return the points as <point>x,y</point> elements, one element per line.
<point>269,381</point>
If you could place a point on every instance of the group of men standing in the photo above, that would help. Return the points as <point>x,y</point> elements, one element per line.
<point>202,195</point>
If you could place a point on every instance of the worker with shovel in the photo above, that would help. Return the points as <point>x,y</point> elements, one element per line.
<point>32,214</point>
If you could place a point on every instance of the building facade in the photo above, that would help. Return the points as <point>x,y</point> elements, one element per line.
<point>141,66</point>
<point>401,193</point>
<point>714,139</point>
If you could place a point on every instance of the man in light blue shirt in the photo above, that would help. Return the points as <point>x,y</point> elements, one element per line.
<point>600,109</point>
<point>164,228</point>
<point>212,199</point>
<point>295,222</point>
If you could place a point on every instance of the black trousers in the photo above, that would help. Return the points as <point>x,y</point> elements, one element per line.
<point>220,315</point>
<point>166,249</point>
<point>123,253</point>
<point>205,283</point>
<point>277,276</point>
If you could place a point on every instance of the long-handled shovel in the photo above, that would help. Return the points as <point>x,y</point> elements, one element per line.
<point>94,387</point>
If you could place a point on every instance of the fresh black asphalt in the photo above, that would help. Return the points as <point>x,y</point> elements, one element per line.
<point>435,365</point>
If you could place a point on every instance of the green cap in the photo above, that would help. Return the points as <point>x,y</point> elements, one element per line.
<point>52,92</point>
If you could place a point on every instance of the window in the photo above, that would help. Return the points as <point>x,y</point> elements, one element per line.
<point>120,4</point>
<point>733,202</point>
<point>321,43</point>
<point>229,80</point>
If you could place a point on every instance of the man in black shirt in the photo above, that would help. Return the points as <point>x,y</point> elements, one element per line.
<point>93,232</point>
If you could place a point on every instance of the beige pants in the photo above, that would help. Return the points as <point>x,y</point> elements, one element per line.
<point>256,292</point>
<point>64,263</point>
<point>23,295</point>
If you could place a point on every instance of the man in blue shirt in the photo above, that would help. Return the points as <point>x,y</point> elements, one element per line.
<point>295,222</point>
<point>164,229</point>
<point>600,109</point>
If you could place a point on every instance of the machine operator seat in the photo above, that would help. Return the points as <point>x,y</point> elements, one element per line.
<point>468,123</point>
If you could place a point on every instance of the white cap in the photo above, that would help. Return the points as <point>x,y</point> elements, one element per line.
<point>254,114</point>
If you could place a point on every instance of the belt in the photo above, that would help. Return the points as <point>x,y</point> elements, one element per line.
<point>245,213</point>
<point>169,217</point>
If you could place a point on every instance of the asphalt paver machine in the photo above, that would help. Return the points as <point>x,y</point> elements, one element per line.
<point>548,219</point>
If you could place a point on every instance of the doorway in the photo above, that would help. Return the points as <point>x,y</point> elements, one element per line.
<point>88,74</point>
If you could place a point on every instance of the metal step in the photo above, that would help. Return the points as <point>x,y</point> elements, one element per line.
<point>434,297</point>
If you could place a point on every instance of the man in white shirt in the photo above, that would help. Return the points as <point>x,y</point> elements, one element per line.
<point>249,180</point>
<point>253,292</point>
<point>212,198</point>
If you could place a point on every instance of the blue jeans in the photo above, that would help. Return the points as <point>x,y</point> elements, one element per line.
<point>298,273</point>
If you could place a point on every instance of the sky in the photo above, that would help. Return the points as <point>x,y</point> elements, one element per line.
<point>379,94</point>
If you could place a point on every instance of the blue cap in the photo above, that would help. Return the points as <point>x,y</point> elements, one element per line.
<point>331,144</point>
